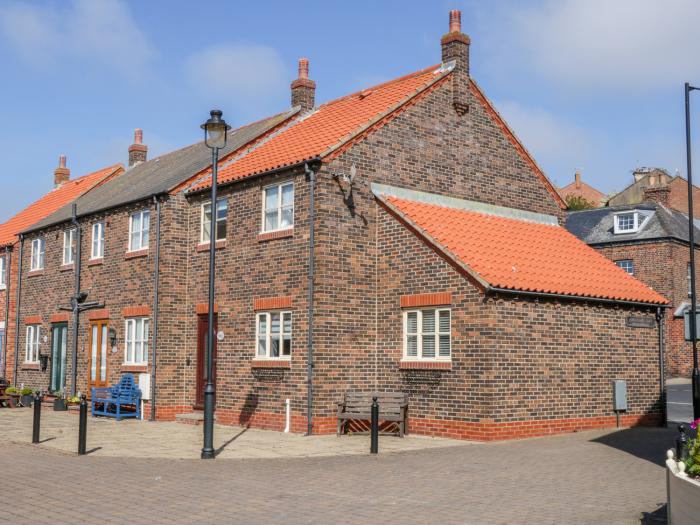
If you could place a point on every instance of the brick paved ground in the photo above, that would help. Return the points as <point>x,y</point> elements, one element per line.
<point>587,478</point>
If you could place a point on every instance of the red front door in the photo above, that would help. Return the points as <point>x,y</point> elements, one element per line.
<point>202,334</point>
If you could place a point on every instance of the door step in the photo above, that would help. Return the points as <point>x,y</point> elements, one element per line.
<point>191,418</point>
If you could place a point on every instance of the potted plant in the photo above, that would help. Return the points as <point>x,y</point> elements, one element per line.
<point>59,402</point>
<point>72,401</point>
<point>27,396</point>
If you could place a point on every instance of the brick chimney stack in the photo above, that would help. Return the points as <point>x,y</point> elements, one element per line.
<point>577,178</point>
<point>303,88</point>
<point>61,175</point>
<point>138,151</point>
<point>660,194</point>
<point>455,47</point>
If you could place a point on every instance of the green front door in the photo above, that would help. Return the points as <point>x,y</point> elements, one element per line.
<point>59,336</point>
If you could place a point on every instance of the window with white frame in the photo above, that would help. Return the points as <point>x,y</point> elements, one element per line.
<point>628,222</point>
<point>278,207</point>
<point>38,254</point>
<point>69,246</point>
<point>627,265</point>
<point>427,334</point>
<point>221,216</point>
<point>139,229</point>
<point>136,339</point>
<point>98,241</point>
<point>274,335</point>
<point>3,272</point>
<point>31,353</point>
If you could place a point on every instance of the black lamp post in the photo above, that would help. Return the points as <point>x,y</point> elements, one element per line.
<point>215,132</point>
<point>691,240</point>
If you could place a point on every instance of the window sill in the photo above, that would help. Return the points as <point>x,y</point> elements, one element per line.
<point>136,254</point>
<point>31,366</point>
<point>96,262</point>
<point>204,246</point>
<point>425,365</point>
<point>3,287</point>
<point>67,267</point>
<point>271,363</point>
<point>279,234</point>
<point>35,273</point>
<point>142,369</point>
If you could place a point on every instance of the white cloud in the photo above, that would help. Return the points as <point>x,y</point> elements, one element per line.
<point>622,44</point>
<point>99,30</point>
<point>241,73</point>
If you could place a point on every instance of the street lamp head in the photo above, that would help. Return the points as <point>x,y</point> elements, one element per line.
<point>215,130</point>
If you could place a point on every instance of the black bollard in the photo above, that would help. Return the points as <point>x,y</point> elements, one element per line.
<point>682,444</point>
<point>82,431</point>
<point>374,430</point>
<point>36,429</point>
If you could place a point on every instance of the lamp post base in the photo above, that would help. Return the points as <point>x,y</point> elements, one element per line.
<point>208,451</point>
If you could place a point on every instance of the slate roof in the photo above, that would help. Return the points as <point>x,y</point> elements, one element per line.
<point>161,174</point>
<point>509,249</point>
<point>595,226</point>
<point>54,200</point>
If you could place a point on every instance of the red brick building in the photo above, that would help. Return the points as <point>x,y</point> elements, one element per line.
<point>398,238</point>
<point>584,191</point>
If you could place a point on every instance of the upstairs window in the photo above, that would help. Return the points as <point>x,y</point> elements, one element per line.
<point>274,335</point>
<point>98,241</point>
<point>627,265</point>
<point>278,207</point>
<point>3,272</point>
<point>139,229</point>
<point>69,246</point>
<point>136,340</point>
<point>31,348</point>
<point>427,334</point>
<point>628,222</point>
<point>221,217</point>
<point>38,254</point>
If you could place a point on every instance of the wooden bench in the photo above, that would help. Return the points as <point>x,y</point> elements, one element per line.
<point>111,401</point>
<point>358,406</point>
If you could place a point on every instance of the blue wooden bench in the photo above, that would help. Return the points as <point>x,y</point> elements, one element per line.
<point>112,401</point>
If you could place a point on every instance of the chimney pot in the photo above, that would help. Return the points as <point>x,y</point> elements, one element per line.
<point>303,88</point>
<point>455,21</point>
<point>61,175</point>
<point>138,151</point>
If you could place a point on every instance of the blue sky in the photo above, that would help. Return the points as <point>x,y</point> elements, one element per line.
<point>587,84</point>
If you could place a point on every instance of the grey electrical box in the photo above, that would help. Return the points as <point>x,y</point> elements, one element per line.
<point>619,395</point>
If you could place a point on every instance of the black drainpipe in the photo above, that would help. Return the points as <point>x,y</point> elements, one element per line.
<point>18,304</point>
<point>662,371</point>
<point>76,309</point>
<point>8,280</point>
<point>156,279</point>
<point>311,174</point>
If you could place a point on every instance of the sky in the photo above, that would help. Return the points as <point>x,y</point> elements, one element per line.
<point>592,85</point>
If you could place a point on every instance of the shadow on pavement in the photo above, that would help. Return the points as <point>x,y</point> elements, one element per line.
<point>650,443</point>
<point>234,438</point>
<point>658,517</point>
<point>93,450</point>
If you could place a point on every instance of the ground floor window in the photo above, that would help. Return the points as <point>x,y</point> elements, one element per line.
<point>427,334</point>
<point>31,354</point>
<point>274,335</point>
<point>136,341</point>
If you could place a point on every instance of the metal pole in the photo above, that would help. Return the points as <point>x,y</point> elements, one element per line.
<point>374,428</point>
<point>82,427</point>
<point>18,304</point>
<point>691,241</point>
<point>310,332</point>
<point>8,286</point>
<point>209,389</point>
<point>36,429</point>
<point>76,306</point>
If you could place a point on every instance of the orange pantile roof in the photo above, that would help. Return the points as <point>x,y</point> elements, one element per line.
<point>330,126</point>
<point>518,254</point>
<point>53,201</point>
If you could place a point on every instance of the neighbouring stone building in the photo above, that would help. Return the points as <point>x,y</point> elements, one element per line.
<point>439,267</point>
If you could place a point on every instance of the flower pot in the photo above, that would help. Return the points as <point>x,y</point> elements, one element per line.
<point>27,399</point>
<point>59,405</point>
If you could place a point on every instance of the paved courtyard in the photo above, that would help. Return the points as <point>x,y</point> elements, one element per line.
<point>596,477</point>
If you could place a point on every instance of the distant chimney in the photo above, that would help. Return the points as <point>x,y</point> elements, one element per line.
<point>61,175</point>
<point>303,88</point>
<point>455,46</point>
<point>660,194</point>
<point>577,178</point>
<point>138,151</point>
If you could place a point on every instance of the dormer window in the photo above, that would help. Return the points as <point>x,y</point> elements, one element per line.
<point>629,222</point>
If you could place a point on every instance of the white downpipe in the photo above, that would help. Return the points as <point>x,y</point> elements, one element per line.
<point>288,415</point>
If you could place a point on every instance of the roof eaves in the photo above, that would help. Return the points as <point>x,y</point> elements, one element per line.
<point>608,300</point>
